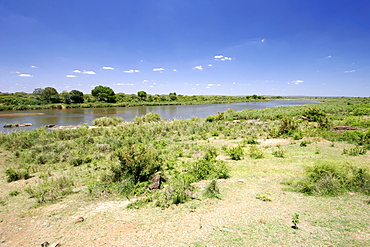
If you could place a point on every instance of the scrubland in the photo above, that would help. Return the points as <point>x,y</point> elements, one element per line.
<point>286,176</point>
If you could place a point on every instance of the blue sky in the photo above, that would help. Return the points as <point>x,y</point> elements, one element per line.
<point>202,47</point>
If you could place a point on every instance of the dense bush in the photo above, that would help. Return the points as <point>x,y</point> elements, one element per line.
<point>328,178</point>
<point>138,163</point>
<point>107,121</point>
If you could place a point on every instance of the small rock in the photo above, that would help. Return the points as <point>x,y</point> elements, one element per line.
<point>55,245</point>
<point>80,219</point>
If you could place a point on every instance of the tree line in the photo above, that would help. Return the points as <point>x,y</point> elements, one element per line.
<point>104,94</point>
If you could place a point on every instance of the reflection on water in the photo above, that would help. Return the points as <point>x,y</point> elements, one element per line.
<point>40,118</point>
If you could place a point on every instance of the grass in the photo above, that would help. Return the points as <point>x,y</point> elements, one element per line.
<point>251,202</point>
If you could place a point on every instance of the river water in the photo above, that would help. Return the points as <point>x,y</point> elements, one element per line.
<point>78,116</point>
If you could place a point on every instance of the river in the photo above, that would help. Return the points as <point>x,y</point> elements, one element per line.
<point>78,116</point>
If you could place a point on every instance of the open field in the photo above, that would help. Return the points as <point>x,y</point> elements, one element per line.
<point>72,187</point>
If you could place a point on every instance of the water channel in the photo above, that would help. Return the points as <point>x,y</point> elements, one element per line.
<point>78,116</point>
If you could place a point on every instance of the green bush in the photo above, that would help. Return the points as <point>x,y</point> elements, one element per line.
<point>107,121</point>
<point>255,152</point>
<point>327,178</point>
<point>208,167</point>
<point>236,153</point>
<point>147,118</point>
<point>288,126</point>
<point>280,153</point>
<point>138,163</point>
<point>51,189</point>
<point>355,151</point>
<point>17,174</point>
<point>314,114</point>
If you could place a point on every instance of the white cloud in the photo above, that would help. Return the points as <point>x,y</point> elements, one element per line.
<point>25,75</point>
<point>199,67</point>
<point>263,40</point>
<point>209,65</point>
<point>218,85</point>
<point>71,76</point>
<point>15,72</point>
<point>296,82</point>
<point>222,58</point>
<point>210,85</point>
<point>349,71</point>
<point>34,67</point>
<point>330,56</point>
<point>77,71</point>
<point>124,84</point>
<point>88,72</point>
<point>174,70</point>
<point>158,69</point>
<point>111,68</point>
<point>131,71</point>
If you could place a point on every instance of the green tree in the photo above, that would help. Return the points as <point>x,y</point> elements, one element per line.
<point>48,94</point>
<point>173,96</point>
<point>142,95</point>
<point>103,93</point>
<point>66,97</point>
<point>77,96</point>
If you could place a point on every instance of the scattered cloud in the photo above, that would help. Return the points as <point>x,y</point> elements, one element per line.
<point>199,67</point>
<point>263,40</point>
<point>131,71</point>
<point>123,84</point>
<point>174,70</point>
<point>34,67</point>
<point>111,68</point>
<point>158,69</point>
<point>209,65</point>
<point>15,72</point>
<point>71,76</point>
<point>77,71</point>
<point>296,82</point>
<point>210,85</point>
<point>222,58</point>
<point>350,71</point>
<point>88,72</point>
<point>25,75</point>
<point>330,56</point>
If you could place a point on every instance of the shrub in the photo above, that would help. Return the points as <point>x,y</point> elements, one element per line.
<point>326,178</point>
<point>279,153</point>
<point>14,193</point>
<point>51,189</point>
<point>355,151</point>
<point>208,167</point>
<point>14,175</point>
<point>314,114</point>
<point>236,153</point>
<point>304,143</point>
<point>147,118</point>
<point>287,126</point>
<point>138,163</point>
<point>107,121</point>
<point>255,152</point>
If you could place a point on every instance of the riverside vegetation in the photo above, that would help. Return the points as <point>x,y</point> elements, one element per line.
<point>102,96</point>
<point>212,168</point>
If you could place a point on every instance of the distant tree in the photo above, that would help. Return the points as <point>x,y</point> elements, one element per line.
<point>50,95</point>
<point>142,95</point>
<point>77,96</point>
<point>103,93</point>
<point>173,96</point>
<point>66,97</point>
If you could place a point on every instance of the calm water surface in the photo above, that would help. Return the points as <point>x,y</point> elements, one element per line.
<point>82,115</point>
